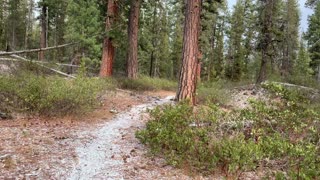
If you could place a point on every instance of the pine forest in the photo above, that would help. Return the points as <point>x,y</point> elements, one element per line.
<point>159,89</point>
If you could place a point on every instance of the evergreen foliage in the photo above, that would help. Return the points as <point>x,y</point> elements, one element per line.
<point>302,64</point>
<point>211,44</point>
<point>84,26</point>
<point>290,35</point>
<point>154,40</point>
<point>313,38</point>
<point>231,42</point>
<point>235,56</point>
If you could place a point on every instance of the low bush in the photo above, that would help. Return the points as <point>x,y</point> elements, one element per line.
<point>305,96</point>
<point>304,81</point>
<point>217,92</point>
<point>50,95</point>
<point>281,138</point>
<point>144,83</point>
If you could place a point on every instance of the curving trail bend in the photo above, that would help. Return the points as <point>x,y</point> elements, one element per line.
<point>113,147</point>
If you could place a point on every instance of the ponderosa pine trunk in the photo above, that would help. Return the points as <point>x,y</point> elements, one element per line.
<point>132,59</point>
<point>190,52</point>
<point>108,52</point>
<point>43,34</point>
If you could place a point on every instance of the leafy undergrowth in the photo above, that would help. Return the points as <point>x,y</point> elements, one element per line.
<point>50,95</point>
<point>214,92</point>
<point>218,92</point>
<point>145,83</point>
<point>37,93</point>
<point>280,137</point>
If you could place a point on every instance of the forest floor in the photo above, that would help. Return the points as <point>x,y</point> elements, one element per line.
<point>100,145</point>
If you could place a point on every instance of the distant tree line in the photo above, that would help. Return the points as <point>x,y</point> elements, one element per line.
<point>257,39</point>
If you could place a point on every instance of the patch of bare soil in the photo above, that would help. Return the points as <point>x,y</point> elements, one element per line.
<point>99,145</point>
<point>44,148</point>
<point>107,155</point>
<point>242,95</point>
<point>160,93</point>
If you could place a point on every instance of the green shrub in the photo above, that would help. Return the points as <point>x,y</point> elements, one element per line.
<point>293,94</point>
<point>304,81</point>
<point>213,94</point>
<point>195,139</point>
<point>51,95</point>
<point>219,91</point>
<point>7,94</point>
<point>144,83</point>
<point>281,137</point>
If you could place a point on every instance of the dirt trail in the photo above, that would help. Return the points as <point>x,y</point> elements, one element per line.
<point>106,156</point>
<point>93,147</point>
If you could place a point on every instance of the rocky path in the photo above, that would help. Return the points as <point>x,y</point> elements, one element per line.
<point>114,153</point>
<point>99,146</point>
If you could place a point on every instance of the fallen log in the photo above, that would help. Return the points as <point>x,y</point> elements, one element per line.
<point>2,53</point>
<point>296,86</point>
<point>40,62</point>
<point>41,65</point>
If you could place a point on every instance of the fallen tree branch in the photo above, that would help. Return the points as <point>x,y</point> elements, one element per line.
<point>8,59</point>
<point>125,91</point>
<point>296,86</point>
<point>35,50</point>
<point>41,65</point>
<point>41,62</point>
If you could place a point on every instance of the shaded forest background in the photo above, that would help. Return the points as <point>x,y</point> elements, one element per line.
<point>231,42</point>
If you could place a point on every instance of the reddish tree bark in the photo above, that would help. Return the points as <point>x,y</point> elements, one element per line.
<point>108,51</point>
<point>199,71</point>
<point>43,35</point>
<point>190,52</point>
<point>132,61</point>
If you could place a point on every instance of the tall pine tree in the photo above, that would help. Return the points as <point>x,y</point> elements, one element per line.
<point>236,52</point>
<point>84,25</point>
<point>313,38</point>
<point>290,36</point>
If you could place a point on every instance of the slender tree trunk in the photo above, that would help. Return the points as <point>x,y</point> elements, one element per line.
<point>152,58</point>
<point>211,61</point>
<point>266,40</point>
<point>286,59</point>
<point>132,61</point>
<point>43,35</point>
<point>55,42</point>
<point>151,64</point>
<point>318,78</point>
<point>2,24</point>
<point>47,27</point>
<point>190,52</point>
<point>108,51</point>
<point>28,24</point>
<point>13,43</point>
<point>263,68</point>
